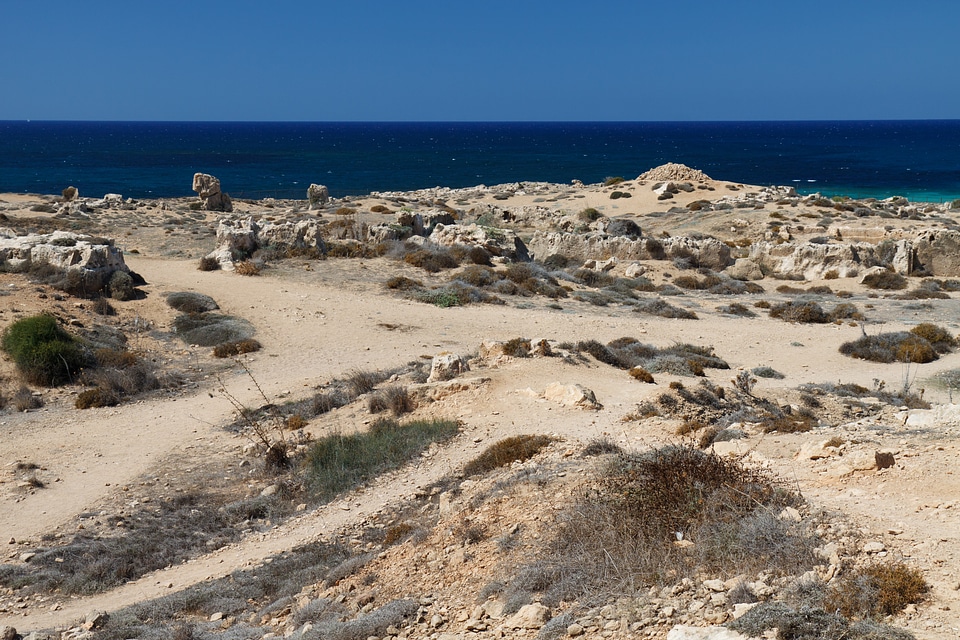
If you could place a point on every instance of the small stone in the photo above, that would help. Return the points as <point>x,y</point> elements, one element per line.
<point>715,585</point>
<point>530,616</point>
<point>216,616</point>
<point>27,557</point>
<point>574,630</point>
<point>874,547</point>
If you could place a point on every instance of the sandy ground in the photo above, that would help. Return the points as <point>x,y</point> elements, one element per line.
<point>323,322</point>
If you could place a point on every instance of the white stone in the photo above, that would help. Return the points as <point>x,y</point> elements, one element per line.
<point>530,616</point>
<point>571,395</point>
<point>684,632</point>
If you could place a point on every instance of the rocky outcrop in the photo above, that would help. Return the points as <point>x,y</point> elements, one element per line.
<point>317,195</point>
<point>938,252</point>
<point>208,189</point>
<point>499,242</point>
<point>238,239</point>
<point>812,261</point>
<point>96,258</point>
<point>702,252</point>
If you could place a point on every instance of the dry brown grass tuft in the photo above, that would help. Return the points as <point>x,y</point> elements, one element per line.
<point>506,451</point>
<point>246,268</point>
<point>238,347</point>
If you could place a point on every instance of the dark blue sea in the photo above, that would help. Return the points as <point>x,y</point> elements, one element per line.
<point>917,159</point>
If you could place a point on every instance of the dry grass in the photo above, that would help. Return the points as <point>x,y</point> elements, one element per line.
<point>395,399</point>
<point>885,280</point>
<point>246,268</point>
<point>506,451</point>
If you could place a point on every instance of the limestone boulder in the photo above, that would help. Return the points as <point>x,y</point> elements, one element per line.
<point>447,366</point>
<point>571,395</point>
<point>96,258</point>
<point>499,242</point>
<point>530,616</point>
<point>238,239</point>
<point>686,632</point>
<point>207,188</point>
<point>317,195</point>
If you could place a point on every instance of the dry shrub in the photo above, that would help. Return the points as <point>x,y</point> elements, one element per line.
<point>517,348</point>
<point>395,399</point>
<point>294,422</point>
<point>832,274</point>
<point>898,346</point>
<point>697,284</point>
<point>246,268</point>
<point>621,535</point>
<point>800,423</point>
<point>397,533</point>
<point>663,309</point>
<point>737,309</point>
<point>24,400</point>
<point>92,398</point>
<point>479,276</point>
<point>379,208</point>
<point>191,302</point>
<point>361,382</point>
<point>345,211</point>
<point>877,590</point>
<point>231,349</point>
<point>402,283</point>
<point>803,312</point>
<point>641,374</point>
<point>506,451</point>
<point>941,339</point>
<point>886,280</point>
<point>208,263</point>
<point>431,261</point>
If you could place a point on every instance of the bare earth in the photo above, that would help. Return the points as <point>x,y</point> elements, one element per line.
<point>319,320</point>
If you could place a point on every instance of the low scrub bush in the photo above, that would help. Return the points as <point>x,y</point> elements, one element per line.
<point>737,309</point>
<point>941,339</point>
<point>767,372</point>
<point>402,283</point>
<point>92,398</point>
<point>231,349</point>
<point>45,354</point>
<point>208,263</point>
<point>395,399</point>
<point>431,261</point>
<point>337,463</point>
<point>697,284</point>
<point>191,302</point>
<point>898,346</point>
<point>621,535</point>
<point>506,451</point>
<point>211,329</point>
<point>876,590</point>
<point>885,280</point>
<point>801,312</point>
<point>641,374</point>
<point>664,309</point>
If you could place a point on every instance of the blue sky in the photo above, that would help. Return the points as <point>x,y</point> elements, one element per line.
<point>478,61</point>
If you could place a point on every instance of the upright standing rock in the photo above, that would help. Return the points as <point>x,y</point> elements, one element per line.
<point>208,188</point>
<point>317,194</point>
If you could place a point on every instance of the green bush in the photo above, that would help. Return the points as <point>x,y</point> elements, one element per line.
<point>45,354</point>
<point>337,463</point>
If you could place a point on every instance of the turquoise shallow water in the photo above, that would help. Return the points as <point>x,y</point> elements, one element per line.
<point>916,159</point>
